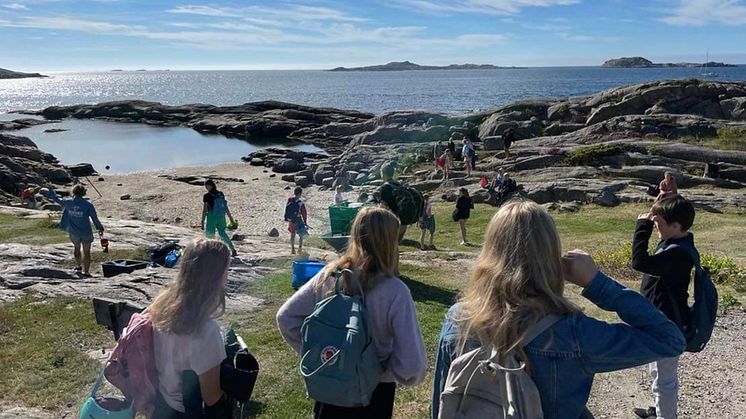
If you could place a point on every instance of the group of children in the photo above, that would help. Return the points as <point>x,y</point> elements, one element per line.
<point>517,281</point>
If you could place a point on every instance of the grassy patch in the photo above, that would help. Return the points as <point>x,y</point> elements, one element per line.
<point>590,156</point>
<point>30,230</point>
<point>727,138</point>
<point>42,351</point>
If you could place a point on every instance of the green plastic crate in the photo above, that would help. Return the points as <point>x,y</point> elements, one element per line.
<point>342,216</point>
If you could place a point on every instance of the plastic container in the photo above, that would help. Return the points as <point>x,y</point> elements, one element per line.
<point>303,270</point>
<point>121,266</point>
<point>341,217</point>
<point>336,241</point>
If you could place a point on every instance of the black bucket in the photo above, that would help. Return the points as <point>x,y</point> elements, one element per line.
<point>122,266</point>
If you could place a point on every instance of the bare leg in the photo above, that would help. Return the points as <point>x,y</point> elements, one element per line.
<point>300,243</point>
<point>86,258</point>
<point>431,239</point>
<point>422,239</point>
<point>77,255</point>
<point>292,243</point>
<point>462,224</point>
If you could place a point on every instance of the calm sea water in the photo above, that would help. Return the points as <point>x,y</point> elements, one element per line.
<point>127,148</point>
<point>136,147</point>
<point>443,91</point>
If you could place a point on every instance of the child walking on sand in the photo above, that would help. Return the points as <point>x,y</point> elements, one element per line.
<point>297,218</point>
<point>214,210</point>
<point>427,222</point>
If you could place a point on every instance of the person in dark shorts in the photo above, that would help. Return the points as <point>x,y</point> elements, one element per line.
<point>508,138</point>
<point>464,205</point>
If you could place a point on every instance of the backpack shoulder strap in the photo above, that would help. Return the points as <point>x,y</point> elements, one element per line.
<point>539,328</point>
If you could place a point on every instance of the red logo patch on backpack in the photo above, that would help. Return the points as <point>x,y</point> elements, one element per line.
<point>131,365</point>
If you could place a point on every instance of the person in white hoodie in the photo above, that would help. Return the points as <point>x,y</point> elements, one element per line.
<point>373,254</point>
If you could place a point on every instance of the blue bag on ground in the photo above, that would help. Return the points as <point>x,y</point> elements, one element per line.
<point>303,270</point>
<point>171,258</point>
<point>701,316</point>
<point>339,362</point>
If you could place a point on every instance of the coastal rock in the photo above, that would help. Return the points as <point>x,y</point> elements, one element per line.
<point>81,169</point>
<point>22,164</point>
<point>287,166</point>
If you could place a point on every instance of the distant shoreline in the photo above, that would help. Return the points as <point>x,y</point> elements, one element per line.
<point>410,66</point>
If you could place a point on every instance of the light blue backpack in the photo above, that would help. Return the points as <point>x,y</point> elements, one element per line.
<point>98,407</point>
<point>339,362</point>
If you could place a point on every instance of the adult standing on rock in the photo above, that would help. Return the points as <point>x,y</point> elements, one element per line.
<point>76,214</point>
<point>508,138</point>
<point>451,148</point>
<point>214,210</point>
<point>468,153</point>
<point>404,201</point>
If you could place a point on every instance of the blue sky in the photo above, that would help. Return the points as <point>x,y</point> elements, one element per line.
<point>48,35</point>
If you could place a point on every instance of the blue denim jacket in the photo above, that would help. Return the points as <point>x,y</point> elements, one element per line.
<point>565,358</point>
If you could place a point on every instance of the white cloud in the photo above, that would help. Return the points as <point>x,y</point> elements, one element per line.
<point>14,6</point>
<point>293,13</point>
<point>490,7</point>
<point>205,11</point>
<point>707,12</point>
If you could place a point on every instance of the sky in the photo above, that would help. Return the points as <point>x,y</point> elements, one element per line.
<point>88,35</point>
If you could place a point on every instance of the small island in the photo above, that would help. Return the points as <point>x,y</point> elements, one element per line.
<point>640,62</point>
<point>410,66</point>
<point>7,74</point>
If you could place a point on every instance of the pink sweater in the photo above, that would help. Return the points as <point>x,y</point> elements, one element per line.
<point>392,323</point>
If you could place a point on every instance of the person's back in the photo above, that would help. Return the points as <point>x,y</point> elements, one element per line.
<point>79,212</point>
<point>372,254</point>
<point>186,339</point>
<point>562,360</point>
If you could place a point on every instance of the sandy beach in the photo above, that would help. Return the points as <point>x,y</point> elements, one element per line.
<point>257,203</point>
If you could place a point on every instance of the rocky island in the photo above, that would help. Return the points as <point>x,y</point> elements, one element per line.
<point>640,62</point>
<point>409,66</point>
<point>7,74</point>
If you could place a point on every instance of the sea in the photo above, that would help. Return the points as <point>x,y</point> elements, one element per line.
<point>450,91</point>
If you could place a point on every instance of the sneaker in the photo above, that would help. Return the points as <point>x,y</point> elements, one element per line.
<point>86,275</point>
<point>234,253</point>
<point>463,243</point>
<point>78,269</point>
<point>645,413</point>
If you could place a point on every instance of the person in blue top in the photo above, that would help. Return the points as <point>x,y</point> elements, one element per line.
<point>518,279</point>
<point>77,215</point>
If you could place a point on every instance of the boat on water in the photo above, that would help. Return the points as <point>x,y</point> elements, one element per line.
<point>703,73</point>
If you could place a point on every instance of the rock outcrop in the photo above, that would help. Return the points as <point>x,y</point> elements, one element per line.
<point>23,164</point>
<point>7,74</point>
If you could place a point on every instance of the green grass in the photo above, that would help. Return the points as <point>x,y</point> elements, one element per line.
<point>30,231</point>
<point>43,344</point>
<point>727,139</point>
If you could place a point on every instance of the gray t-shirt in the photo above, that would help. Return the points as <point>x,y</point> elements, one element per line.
<point>199,352</point>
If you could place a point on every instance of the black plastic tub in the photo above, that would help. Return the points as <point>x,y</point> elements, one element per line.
<point>122,266</point>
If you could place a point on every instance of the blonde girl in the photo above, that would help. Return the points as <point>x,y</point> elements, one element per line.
<point>186,337</point>
<point>373,254</point>
<point>517,281</point>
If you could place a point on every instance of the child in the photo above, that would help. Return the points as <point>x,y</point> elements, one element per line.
<point>464,205</point>
<point>76,220</point>
<point>297,218</point>
<point>185,336</point>
<point>516,282</point>
<point>373,254</point>
<point>667,186</point>
<point>444,163</point>
<point>214,210</point>
<point>467,154</point>
<point>427,222</point>
<point>28,197</point>
<point>665,283</point>
<point>338,197</point>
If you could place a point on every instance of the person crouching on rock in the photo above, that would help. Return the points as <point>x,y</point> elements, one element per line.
<point>297,218</point>
<point>667,186</point>
<point>214,210</point>
<point>77,215</point>
<point>185,336</point>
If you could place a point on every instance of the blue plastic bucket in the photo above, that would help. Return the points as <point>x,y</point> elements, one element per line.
<point>303,270</point>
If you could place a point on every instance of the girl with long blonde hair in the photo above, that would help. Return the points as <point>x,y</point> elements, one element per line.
<point>185,336</point>
<point>373,255</point>
<point>518,280</point>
